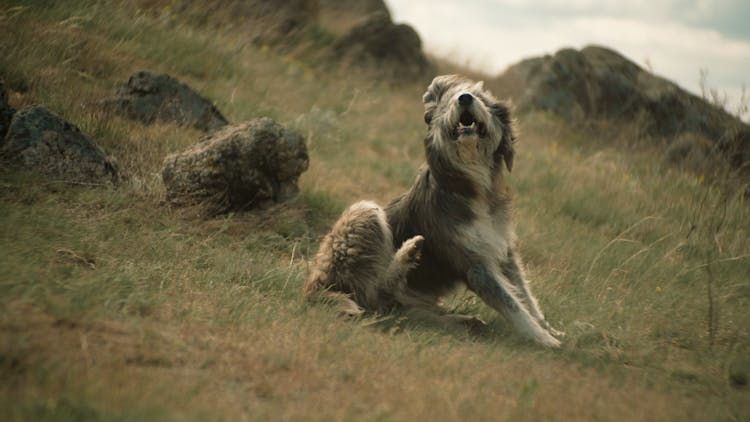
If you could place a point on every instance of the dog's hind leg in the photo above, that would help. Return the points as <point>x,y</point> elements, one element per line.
<point>498,293</point>
<point>512,269</point>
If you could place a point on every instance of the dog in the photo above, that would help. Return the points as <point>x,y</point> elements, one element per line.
<point>452,227</point>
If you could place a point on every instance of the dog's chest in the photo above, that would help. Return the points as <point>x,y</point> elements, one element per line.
<point>488,234</point>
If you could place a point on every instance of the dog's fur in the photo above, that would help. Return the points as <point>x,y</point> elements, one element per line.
<point>358,266</point>
<point>452,227</point>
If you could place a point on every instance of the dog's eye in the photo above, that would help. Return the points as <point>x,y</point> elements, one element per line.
<point>427,117</point>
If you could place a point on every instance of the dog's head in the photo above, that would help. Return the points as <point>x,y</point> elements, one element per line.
<point>460,113</point>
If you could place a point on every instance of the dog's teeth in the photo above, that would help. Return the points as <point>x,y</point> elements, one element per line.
<point>466,119</point>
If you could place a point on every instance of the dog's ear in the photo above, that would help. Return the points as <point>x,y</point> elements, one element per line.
<point>436,89</point>
<point>431,97</point>
<point>505,151</point>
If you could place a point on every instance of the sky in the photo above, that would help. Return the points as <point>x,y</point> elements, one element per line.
<point>676,39</point>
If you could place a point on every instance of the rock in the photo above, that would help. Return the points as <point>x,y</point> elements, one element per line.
<point>689,149</point>
<point>278,22</point>
<point>39,139</point>
<point>148,97</point>
<point>239,167</point>
<point>598,84</point>
<point>6,111</point>
<point>355,7</point>
<point>393,49</point>
<point>341,16</point>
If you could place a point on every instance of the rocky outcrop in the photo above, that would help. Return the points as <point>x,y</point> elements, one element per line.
<point>6,111</point>
<point>148,97</point>
<point>598,84</point>
<point>354,7</point>
<point>239,167</point>
<point>394,50</point>
<point>41,140</point>
<point>340,17</point>
<point>319,32</point>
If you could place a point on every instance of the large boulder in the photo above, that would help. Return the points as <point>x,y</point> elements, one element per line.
<point>596,84</point>
<point>41,140</point>
<point>354,7</point>
<point>149,97</point>
<point>341,16</point>
<point>6,111</point>
<point>392,49</point>
<point>239,167</point>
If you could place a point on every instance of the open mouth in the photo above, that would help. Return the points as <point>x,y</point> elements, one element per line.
<point>468,126</point>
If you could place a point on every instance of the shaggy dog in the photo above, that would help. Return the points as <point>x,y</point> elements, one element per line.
<point>452,227</point>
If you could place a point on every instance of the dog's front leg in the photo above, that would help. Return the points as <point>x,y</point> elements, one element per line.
<point>513,270</point>
<point>499,294</point>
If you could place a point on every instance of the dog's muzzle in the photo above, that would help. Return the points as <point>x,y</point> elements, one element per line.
<point>468,125</point>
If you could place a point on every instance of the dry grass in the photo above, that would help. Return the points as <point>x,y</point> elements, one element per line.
<point>115,306</point>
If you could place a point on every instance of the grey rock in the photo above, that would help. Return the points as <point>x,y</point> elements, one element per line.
<point>148,97</point>
<point>358,7</point>
<point>339,17</point>
<point>41,140</point>
<point>597,84</point>
<point>243,166</point>
<point>6,111</point>
<point>353,10</point>
<point>393,49</point>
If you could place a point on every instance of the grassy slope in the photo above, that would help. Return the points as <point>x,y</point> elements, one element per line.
<point>115,306</point>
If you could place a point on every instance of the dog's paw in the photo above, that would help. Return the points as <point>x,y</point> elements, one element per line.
<point>555,332</point>
<point>410,252</point>
<point>551,330</point>
<point>547,340</point>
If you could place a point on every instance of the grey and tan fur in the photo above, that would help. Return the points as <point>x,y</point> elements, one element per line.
<point>358,266</point>
<point>457,214</point>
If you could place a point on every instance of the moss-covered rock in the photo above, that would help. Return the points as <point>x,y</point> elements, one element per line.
<point>41,140</point>
<point>239,167</point>
<point>148,97</point>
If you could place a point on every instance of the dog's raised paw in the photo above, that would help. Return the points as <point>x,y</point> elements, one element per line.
<point>410,252</point>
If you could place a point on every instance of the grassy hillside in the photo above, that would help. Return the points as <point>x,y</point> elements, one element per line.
<point>115,306</point>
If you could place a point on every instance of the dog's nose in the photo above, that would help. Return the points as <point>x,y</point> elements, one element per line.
<point>465,99</point>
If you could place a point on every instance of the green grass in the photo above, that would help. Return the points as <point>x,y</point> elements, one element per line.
<point>116,306</point>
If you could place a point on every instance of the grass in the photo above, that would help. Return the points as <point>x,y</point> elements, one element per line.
<point>116,306</point>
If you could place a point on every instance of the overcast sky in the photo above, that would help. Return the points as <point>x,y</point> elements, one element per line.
<point>677,38</point>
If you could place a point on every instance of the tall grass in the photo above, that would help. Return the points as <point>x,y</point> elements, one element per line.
<point>113,305</point>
